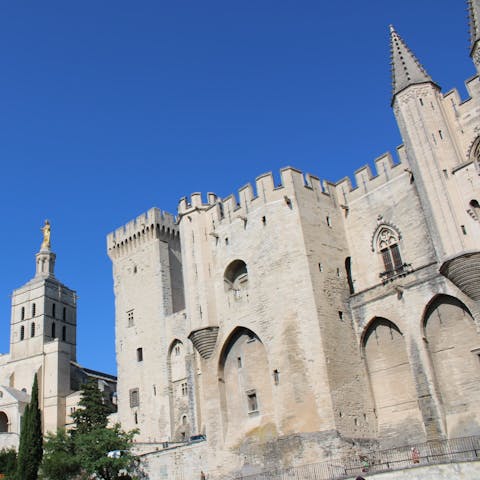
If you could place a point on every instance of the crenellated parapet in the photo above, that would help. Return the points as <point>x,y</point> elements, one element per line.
<point>146,227</point>
<point>366,180</point>
<point>293,181</point>
<point>263,191</point>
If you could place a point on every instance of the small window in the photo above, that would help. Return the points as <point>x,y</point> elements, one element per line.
<point>177,350</point>
<point>22,315</point>
<point>348,270</point>
<point>53,330</point>
<point>252,402</point>
<point>184,388</point>
<point>135,418</point>
<point>134,397</point>
<point>22,332</point>
<point>64,314</point>
<point>130,318</point>
<point>184,420</point>
<point>34,309</point>
<point>64,333</point>
<point>276,377</point>
<point>329,221</point>
<point>139,354</point>
<point>54,307</point>
<point>239,362</point>
<point>475,209</point>
<point>32,329</point>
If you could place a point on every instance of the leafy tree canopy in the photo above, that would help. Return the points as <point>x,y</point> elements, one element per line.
<point>93,411</point>
<point>84,452</point>
<point>8,462</point>
<point>92,452</point>
<point>59,459</point>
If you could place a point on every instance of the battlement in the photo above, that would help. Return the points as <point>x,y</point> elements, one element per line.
<point>250,196</point>
<point>292,181</point>
<point>365,180</point>
<point>151,224</point>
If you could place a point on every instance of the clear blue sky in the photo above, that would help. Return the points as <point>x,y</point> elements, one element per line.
<point>111,107</point>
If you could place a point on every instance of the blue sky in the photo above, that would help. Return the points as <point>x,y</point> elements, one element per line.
<point>111,107</point>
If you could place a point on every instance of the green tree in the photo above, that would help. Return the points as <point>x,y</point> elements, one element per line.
<point>30,449</point>
<point>93,440</point>
<point>59,459</point>
<point>93,453</point>
<point>93,411</point>
<point>8,462</point>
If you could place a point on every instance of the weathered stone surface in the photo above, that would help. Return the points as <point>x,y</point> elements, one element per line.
<point>302,321</point>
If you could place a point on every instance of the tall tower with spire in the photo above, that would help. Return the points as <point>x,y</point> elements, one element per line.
<point>43,336</point>
<point>432,142</point>
<point>474,15</point>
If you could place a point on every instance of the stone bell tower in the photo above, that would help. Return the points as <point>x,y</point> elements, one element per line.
<point>43,336</point>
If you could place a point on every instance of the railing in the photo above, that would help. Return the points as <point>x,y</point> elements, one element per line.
<point>400,271</point>
<point>429,453</point>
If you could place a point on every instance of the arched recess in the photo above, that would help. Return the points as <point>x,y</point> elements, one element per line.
<point>474,153</point>
<point>391,380</point>
<point>235,278</point>
<point>179,391</point>
<point>3,422</point>
<point>245,384</point>
<point>454,347</point>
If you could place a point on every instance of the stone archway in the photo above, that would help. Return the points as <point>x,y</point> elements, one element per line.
<point>391,381</point>
<point>180,393</point>
<point>245,385</point>
<point>3,422</point>
<point>454,348</point>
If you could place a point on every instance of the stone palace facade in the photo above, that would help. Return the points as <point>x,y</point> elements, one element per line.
<point>283,325</point>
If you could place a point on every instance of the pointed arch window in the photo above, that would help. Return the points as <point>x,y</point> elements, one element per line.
<point>22,332</point>
<point>387,246</point>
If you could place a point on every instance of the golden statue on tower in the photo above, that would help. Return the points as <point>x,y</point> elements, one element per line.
<point>46,236</point>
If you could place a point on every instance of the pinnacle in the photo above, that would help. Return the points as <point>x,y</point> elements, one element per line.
<point>406,69</point>
<point>474,17</point>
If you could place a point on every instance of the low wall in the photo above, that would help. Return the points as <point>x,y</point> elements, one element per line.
<point>183,463</point>
<point>9,440</point>
<point>447,471</point>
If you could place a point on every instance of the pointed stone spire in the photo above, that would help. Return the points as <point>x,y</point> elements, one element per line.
<point>406,69</point>
<point>474,16</point>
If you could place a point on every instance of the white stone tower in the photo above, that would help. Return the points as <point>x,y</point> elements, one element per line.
<point>43,337</point>
<point>147,252</point>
